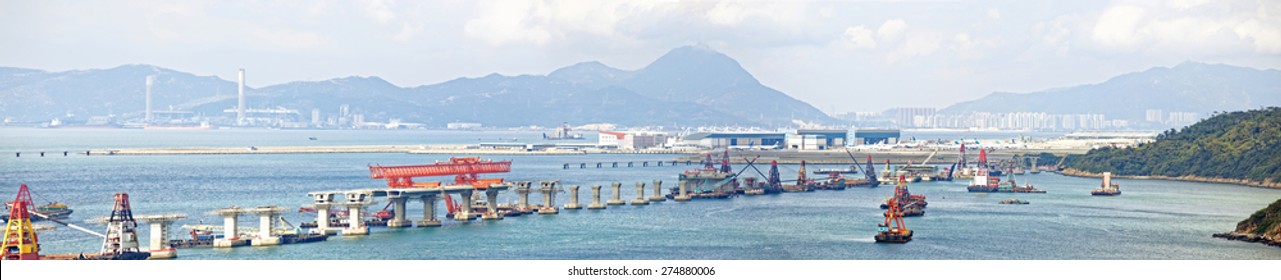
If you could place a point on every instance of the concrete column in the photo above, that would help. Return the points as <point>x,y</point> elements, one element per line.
<point>355,224</point>
<point>658,191</point>
<point>429,212</point>
<point>640,195</point>
<point>522,191</point>
<point>266,223</point>
<point>160,241</point>
<point>573,198</point>
<point>398,217</point>
<point>229,233</point>
<point>618,200</point>
<point>491,197</point>
<point>322,218</point>
<point>464,208</point>
<point>595,198</point>
<point>684,192</point>
<point>230,223</point>
<point>158,234</point>
<point>549,199</point>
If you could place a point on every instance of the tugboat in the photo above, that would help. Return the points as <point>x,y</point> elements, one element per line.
<point>1108,188</point>
<point>893,230</point>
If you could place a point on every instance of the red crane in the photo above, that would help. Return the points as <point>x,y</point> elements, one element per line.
<point>464,170</point>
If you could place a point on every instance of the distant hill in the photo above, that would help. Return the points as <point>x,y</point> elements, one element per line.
<point>1187,87</point>
<point>1237,146</point>
<point>28,94</point>
<point>688,86</point>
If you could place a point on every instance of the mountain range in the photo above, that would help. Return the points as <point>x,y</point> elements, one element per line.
<point>688,86</point>
<point>1187,87</point>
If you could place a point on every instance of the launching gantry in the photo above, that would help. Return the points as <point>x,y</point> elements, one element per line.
<point>401,188</point>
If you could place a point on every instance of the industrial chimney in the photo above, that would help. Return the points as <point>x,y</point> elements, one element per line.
<point>150,80</point>
<point>240,107</point>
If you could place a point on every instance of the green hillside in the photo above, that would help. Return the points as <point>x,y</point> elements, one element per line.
<point>1238,145</point>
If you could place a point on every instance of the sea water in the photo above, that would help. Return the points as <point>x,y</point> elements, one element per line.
<point>1153,219</point>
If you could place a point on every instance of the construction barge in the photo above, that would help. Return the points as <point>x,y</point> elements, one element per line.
<point>893,229</point>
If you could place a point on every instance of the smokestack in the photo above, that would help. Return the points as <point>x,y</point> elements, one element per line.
<point>240,107</point>
<point>150,80</point>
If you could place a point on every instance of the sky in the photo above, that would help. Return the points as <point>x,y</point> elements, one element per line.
<point>840,56</point>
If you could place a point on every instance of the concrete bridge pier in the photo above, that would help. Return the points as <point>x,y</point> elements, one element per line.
<point>522,192</point>
<point>640,195</point>
<point>266,224</point>
<point>618,200</point>
<point>573,198</point>
<point>658,191</point>
<point>322,203</point>
<point>398,215</point>
<point>230,236</point>
<point>159,240</point>
<point>491,199</point>
<point>464,207</point>
<point>684,192</point>
<point>595,198</point>
<point>322,218</point>
<point>355,207</point>
<point>429,212</point>
<point>549,199</point>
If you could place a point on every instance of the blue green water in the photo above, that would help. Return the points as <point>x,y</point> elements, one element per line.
<point>1152,220</point>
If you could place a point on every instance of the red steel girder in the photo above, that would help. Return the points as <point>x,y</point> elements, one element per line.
<point>464,170</point>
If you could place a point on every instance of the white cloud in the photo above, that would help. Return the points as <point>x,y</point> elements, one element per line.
<point>1117,26</point>
<point>379,10</point>
<point>891,29</point>
<point>1266,40</point>
<point>993,13</point>
<point>915,45</point>
<point>510,23</point>
<point>288,39</point>
<point>859,37</point>
<point>1190,27</point>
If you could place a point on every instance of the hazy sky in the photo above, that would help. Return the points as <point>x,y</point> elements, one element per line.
<point>837,55</point>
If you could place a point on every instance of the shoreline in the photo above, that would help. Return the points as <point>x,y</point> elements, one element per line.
<point>1187,178</point>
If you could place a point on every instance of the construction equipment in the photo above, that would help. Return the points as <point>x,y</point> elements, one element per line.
<point>893,230</point>
<point>121,242</point>
<point>464,169</point>
<point>20,240</point>
<point>725,163</point>
<point>803,184</point>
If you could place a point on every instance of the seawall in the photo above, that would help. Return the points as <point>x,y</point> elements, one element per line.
<point>1191,178</point>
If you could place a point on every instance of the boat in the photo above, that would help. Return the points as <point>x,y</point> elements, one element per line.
<point>893,230</point>
<point>1013,201</point>
<point>910,205</point>
<point>563,133</point>
<point>51,210</point>
<point>709,181</point>
<point>983,183</point>
<point>1108,188</point>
